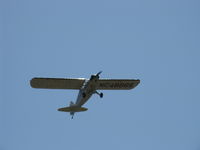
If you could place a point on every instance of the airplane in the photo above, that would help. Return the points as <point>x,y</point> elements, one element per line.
<point>86,87</point>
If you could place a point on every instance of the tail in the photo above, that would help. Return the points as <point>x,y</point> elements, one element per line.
<point>72,109</point>
<point>71,103</point>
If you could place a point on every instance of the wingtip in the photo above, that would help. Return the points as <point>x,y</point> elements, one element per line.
<point>32,82</point>
<point>137,82</point>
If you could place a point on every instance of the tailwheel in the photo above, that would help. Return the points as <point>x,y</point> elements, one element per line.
<point>72,115</point>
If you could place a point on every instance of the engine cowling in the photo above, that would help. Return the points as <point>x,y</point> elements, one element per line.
<point>92,77</point>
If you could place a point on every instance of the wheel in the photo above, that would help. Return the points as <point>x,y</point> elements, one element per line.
<point>101,95</point>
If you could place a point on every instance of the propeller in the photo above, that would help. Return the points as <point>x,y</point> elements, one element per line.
<point>98,73</point>
<point>94,76</point>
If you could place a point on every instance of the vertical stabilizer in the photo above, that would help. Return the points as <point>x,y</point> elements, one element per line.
<point>71,103</point>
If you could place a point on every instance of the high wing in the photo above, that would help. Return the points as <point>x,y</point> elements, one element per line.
<point>117,84</point>
<point>57,83</point>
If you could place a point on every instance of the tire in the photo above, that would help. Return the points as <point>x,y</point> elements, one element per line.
<point>101,95</point>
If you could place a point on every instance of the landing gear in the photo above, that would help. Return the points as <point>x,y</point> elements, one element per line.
<point>100,94</point>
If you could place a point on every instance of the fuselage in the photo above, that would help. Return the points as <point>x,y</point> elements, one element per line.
<point>88,88</point>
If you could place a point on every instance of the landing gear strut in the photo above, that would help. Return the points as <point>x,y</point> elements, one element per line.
<point>100,94</point>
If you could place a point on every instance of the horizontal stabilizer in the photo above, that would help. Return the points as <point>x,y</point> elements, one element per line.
<point>72,109</point>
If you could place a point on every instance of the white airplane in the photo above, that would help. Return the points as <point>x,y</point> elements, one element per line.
<point>86,87</point>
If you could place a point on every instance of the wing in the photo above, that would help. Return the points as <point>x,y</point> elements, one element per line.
<point>117,84</point>
<point>57,83</point>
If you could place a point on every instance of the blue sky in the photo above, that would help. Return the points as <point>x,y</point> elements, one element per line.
<point>154,41</point>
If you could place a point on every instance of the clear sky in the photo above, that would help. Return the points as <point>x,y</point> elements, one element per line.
<point>155,41</point>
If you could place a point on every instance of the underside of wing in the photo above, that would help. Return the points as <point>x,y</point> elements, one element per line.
<point>117,84</point>
<point>56,83</point>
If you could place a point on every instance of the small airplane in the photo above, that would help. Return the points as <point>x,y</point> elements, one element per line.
<point>86,87</point>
